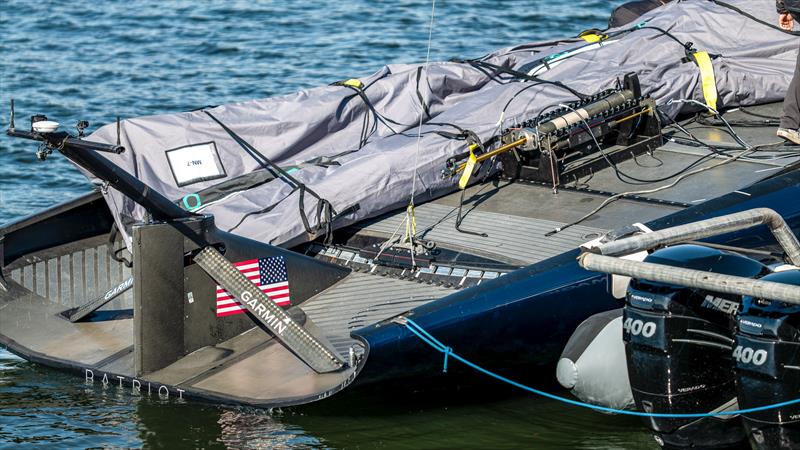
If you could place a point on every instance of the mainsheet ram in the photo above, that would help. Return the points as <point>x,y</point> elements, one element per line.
<point>315,134</point>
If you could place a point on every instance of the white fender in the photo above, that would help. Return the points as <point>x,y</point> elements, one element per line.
<point>593,365</point>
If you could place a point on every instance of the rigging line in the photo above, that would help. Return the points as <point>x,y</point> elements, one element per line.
<point>522,76</point>
<point>421,117</point>
<point>411,223</point>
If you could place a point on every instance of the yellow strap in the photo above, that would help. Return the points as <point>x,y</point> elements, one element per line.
<point>708,78</point>
<point>411,224</point>
<point>592,37</point>
<point>462,183</point>
<point>353,82</point>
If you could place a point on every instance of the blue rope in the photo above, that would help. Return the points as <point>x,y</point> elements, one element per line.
<point>448,353</point>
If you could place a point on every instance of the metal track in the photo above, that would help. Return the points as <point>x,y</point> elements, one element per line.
<point>512,239</point>
<point>362,299</point>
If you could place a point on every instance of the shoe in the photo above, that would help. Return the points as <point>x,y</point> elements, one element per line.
<point>789,135</point>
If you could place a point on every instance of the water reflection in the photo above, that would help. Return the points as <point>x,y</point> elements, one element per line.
<point>42,407</point>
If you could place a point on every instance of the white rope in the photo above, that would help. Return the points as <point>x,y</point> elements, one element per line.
<point>410,221</point>
<point>422,111</point>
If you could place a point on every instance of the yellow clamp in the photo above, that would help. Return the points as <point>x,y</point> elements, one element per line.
<point>354,83</point>
<point>469,168</point>
<point>707,77</point>
<point>592,36</point>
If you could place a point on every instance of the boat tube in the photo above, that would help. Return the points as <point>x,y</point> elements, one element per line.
<point>592,365</point>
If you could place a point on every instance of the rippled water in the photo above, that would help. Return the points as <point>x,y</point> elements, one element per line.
<point>96,60</point>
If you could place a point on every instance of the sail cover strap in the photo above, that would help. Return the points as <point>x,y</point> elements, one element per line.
<point>707,77</point>
<point>325,210</point>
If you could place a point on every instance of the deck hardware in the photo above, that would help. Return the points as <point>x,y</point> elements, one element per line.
<point>81,126</point>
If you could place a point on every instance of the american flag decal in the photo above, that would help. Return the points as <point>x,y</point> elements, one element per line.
<point>269,274</point>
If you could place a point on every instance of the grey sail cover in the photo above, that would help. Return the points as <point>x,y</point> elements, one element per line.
<point>315,134</point>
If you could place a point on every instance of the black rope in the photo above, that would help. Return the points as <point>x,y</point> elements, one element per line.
<point>521,75</point>
<point>267,164</point>
<point>114,253</point>
<point>386,121</point>
<point>253,213</point>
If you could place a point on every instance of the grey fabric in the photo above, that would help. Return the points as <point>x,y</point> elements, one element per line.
<point>791,104</point>
<point>756,65</point>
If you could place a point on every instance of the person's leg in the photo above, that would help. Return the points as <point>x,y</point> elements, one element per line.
<point>790,120</point>
<point>791,105</point>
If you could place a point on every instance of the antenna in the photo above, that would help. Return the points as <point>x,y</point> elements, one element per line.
<point>118,141</point>
<point>11,124</point>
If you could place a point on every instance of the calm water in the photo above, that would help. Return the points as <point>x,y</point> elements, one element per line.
<point>77,60</point>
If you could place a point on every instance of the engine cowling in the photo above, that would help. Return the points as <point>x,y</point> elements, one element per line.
<point>678,344</point>
<point>767,358</point>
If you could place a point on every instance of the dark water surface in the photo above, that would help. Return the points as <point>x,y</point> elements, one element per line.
<point>96,60</point>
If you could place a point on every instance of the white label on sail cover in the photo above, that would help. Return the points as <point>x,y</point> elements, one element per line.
<point>195,163</point>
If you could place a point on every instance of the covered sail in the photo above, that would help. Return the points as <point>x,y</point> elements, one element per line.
<point>287,169</point>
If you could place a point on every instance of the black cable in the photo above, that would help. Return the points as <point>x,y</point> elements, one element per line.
<point>638,181</point>
<point>267,164</point>
<point>755,114</point>
<point>516,94</point>
<point>386,121</point>
<point>764,123</point>
<point>668,34</point>
<point>521,75</point>
<point>723,149</point>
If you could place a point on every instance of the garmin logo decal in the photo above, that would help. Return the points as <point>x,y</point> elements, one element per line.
<point>121,287</point>
<point>259,309</point>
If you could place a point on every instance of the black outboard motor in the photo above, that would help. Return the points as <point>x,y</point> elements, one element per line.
<point>767,357</point>
<point>678,345</point>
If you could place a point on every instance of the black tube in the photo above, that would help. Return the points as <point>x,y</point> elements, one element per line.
<point>156,204</point>
<point>84,154</point>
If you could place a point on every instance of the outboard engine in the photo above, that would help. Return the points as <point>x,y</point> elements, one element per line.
<point>678,345</point>
<point>767,358</point>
